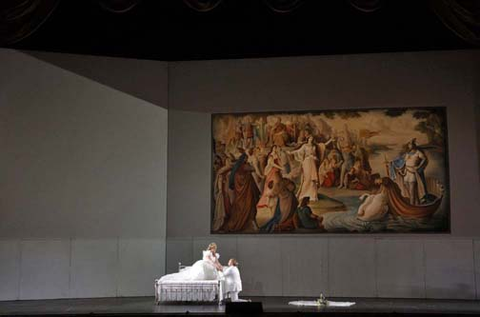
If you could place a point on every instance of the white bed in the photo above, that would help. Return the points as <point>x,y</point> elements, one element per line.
<point>188,291</point>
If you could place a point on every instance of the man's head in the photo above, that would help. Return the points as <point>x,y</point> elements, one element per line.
<point>305,201</point>
<point>412,145</point>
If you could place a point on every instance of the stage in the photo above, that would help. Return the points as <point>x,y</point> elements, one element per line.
<point>271,305</point>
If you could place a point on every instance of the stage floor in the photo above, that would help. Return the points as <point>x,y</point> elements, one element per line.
<point>271,305</point>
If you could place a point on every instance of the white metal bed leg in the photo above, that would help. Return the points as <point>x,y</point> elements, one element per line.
<point>155,286</point>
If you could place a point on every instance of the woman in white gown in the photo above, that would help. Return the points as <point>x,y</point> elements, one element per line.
<point>205,269</point>
<point>307,155</point>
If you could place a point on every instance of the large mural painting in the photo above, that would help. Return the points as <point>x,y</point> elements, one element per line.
<point>348,171</point>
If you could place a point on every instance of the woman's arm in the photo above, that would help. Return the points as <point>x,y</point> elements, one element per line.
<point>298,150</point>
<point>329,141</point>
<point>212,258</point>
<point>277,166</point>
<point>298,154</point>
<point>217,265</point>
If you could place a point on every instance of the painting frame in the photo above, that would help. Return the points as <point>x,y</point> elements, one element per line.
<point>438,110</point>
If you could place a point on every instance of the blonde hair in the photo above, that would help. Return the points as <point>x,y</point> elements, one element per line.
<point>212,245</point>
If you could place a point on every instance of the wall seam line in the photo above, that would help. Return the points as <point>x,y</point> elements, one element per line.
<point>424,262</point>
<point>474,269</point>
<point>192,249</point>
<point>117,271</point>
<point>328,268</point>
<point>282,268</point>
<point>70,291</point>
<point>20,271</point>
<point>167,176</point>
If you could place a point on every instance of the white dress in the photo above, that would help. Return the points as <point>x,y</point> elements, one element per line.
<point>201,270</point>
<point>309,186</point>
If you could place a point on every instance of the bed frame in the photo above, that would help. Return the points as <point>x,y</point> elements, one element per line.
<point>188,291</point>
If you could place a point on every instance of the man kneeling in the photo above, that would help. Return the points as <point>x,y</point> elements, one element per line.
<point>233,283</point>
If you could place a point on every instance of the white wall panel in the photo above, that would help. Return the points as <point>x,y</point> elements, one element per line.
<point>305,266</point>
<point>352,267</point>
<point>400,268</point>
<point>450,269</point>
<point>141,261</point>
<point>9,269</point>
<point>45,269</point>
<point>86,162</point>
<point>179,250</point>
<point>94,268</point>
<point>260,266</point>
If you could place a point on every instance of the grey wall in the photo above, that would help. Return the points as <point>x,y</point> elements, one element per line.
<point>83,209</point>
<point>83,203</point>
<point>144,79</point>
<point>421,266</point>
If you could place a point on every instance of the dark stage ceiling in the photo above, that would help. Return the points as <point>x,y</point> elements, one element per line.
<point>213,29</point>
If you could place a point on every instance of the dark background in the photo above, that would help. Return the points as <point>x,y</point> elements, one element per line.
<point>170,30</point>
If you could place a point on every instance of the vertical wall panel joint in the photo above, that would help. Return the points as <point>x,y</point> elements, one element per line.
<point>70,245</point>
<point>474,269</point>
<point>20,256</point>
<point>424,260</point>
<point>117,272</point>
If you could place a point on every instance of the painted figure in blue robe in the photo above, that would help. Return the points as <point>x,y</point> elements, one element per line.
<point>282,219</point>
<point>307,219</point>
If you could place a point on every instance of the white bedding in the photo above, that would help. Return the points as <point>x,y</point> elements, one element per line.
<point>190,290</point>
